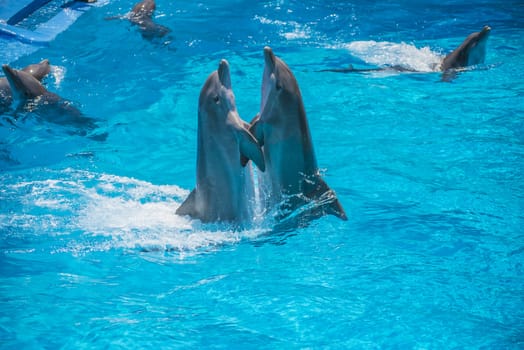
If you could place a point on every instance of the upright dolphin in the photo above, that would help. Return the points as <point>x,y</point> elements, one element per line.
<point>472,51</point>
<point>37,70</point>
<point>36,98</point>
<point>224,188</point>
<point>292,177</point>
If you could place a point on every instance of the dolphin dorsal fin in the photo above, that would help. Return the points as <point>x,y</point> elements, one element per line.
<point>223,74</point>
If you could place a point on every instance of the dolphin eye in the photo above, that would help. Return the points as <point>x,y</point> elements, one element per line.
<point>216,99</point>
<point>278,86</point>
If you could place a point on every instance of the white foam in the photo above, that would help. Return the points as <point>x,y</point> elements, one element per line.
<point>384,53</point>
<point>58,73</point>
<point>115,211</point>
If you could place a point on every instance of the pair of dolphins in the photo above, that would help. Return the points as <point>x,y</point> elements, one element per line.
<point>278,141</point>
<point>471,52</point>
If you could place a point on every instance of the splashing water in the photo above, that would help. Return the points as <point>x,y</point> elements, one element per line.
<point>384,53</point>
<point>130,213</point>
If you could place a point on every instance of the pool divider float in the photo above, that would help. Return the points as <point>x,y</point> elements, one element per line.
<point>46,31</point>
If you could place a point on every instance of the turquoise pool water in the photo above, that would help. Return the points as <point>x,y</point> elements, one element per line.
<point>430,174</point>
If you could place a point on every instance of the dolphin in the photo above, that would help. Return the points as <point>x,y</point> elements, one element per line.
<point>224,188</point>
<point>292,177</point>
<point>37,70</point>
<point>142,15</point>
<point>472,51</point>
<point>33,96</point>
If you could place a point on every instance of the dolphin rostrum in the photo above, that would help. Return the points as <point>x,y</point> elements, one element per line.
<point>292,178</point>
<point>224,188</point>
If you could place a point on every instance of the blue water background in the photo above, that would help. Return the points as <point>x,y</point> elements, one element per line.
<point>430,174</point>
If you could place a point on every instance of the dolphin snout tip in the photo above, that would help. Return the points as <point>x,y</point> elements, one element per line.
<point>269,56</point>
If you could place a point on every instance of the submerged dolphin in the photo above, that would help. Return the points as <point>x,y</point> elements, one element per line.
<point>142,15</point>
<point>35,98</point>
<point>224,188</point>
<point>292,178</point>
<point>37,70</point>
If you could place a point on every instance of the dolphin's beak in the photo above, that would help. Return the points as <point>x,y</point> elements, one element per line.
<point>223,74</point>
<point>8,71</point>
<point>485,31</point>
<point>269,57</point>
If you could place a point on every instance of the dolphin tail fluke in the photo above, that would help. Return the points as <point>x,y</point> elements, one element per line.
<point>189,206</point>
<point>327,199</point>
<point>335,208</point>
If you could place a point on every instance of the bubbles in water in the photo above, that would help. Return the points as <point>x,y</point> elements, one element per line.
<point>58,73</point>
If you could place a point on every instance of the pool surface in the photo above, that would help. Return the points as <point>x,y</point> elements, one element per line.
<point>430,174</point>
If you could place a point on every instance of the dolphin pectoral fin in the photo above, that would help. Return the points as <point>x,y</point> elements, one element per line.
<point>189,206</point>
<point>256,130</point>
<point>249,148</point>
<point>243,159</point>
<point>257,134</point>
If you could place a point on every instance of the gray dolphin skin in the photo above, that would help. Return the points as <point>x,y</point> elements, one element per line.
<point>37,70</point>
<point>142,15</point>
<point>24,85</point>
<point>471,52</point>
<point>281,128</point>
<point>34,97</point>
<point>224,188</point>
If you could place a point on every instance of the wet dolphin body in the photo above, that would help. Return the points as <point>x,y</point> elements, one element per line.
<point>37,70</point>
<point>224,188</point>
<point>292,177</point>
<point>35,98</point>
<point>471,52</point>
<point>142,15</point>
